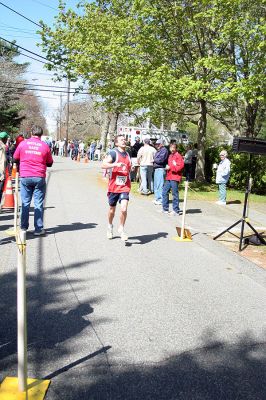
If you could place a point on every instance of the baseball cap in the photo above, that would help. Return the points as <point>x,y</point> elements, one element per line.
<point>159,141</point>
<point>4,135</point>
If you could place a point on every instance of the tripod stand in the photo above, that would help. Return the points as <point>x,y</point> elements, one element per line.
<point>244,220</point>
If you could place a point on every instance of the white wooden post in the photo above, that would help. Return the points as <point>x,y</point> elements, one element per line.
<point>21,311</point>
<point>184,210</point>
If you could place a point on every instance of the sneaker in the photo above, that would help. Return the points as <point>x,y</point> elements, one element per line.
<point>110,232</point>
<point>39,233</point>
<point>163,212</point>
<point>221,203</point>
<point>122,233</point>
<point>174,214</point>
<point>157,202</point>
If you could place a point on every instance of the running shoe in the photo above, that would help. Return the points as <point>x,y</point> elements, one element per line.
<point>157,202</point>
<point>110,232</point>
<point>175,214</point>
<point>122,233</point>
<point>221,203</point>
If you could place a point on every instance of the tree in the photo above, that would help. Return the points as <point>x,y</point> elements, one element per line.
<point>10,76</point>
<point>169,57</point>
<point>31,112</point>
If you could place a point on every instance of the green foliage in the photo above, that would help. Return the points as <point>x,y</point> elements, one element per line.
<point>10,72</point>
<point>172,58</point>
<point>239,169</point>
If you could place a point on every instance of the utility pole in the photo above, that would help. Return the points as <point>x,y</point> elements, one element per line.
<point>67,115</point>
<point>60,117</point>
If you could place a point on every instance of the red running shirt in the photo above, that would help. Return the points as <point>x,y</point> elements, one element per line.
<point>119,181</point>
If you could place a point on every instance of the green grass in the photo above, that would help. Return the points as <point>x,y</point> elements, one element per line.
<point>209,192</point>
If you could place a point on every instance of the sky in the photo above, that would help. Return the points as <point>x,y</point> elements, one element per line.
<point>14,27</point>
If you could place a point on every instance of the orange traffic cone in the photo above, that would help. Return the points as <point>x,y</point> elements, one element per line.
<point>14,171</point>
<point>78,159</point>
<point>86,160</point>
<point>9,201</point>
<point>6,179</point>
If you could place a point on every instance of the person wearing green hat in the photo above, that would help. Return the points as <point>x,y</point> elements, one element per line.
<point>3,139</point>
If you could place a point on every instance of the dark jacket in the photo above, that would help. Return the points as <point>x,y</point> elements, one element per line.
<point>135,148</point>
<point>160,158</point>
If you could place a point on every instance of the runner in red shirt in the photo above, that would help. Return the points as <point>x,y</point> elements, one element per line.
<point>119,164</point>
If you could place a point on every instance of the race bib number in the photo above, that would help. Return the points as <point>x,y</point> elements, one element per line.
<point>120,180</point>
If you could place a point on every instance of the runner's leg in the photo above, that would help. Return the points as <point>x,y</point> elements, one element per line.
<point>111,214</point>
<point>123,212</point>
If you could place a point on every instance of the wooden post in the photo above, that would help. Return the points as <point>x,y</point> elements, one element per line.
<point>184,210</point>
<point>21,312</point>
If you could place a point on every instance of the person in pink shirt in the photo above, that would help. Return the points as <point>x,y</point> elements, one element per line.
<point>34,156</point>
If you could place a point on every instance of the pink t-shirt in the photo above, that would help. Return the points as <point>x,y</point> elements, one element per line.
<point>33,155</point>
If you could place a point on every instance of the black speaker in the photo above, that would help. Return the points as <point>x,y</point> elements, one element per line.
<point>247,145</point>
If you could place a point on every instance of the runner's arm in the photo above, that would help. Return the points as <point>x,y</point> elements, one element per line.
<point>109,163</point>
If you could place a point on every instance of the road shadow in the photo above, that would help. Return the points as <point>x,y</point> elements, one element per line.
<point>194,211</point>
<point>50,322</point>
<point>144,239</point>
<point>75,226</point>
<point>6,216</point>
<point>77,362</point>
<point>233,202</point>
<point>217,370</point>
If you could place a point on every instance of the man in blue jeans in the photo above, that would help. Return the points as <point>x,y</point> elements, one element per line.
<point>174,170</point>
<point>160,162</point>
<point>34,157</point>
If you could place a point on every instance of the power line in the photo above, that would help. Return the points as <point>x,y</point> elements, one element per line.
<point>25,55</point>
<point>23,16</point>
<point>38,73</point>
<point>36,84</point>
<point>17,29</point>
<point>45,5</point>
<point>23,48</point>
<point>21,37</point>
<point>40,90</point>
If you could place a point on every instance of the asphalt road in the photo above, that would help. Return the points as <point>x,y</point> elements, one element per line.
<point>156,319</point>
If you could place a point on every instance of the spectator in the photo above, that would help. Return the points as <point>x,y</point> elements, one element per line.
<point>188,163</point>
<point>174,170</point>
<point>145,159</point>
<point>61,148</point>
<point>222,177</point>
<point>34,156</point>
<point>3,161</point>
<point>92,150</point>
<point>160,161</point>
<point>98,151</point>
<point>19,139</point>
<point>81,149</point>
<point>135,148</point>
<point>71,149</point>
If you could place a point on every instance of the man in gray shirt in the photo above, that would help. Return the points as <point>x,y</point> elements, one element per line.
<point>145,159</point>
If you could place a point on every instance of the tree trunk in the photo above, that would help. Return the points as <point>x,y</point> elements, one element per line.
<point>202,127</point>
<point>105,130</point>
<point>113,124</point>
<point>251,111</point>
